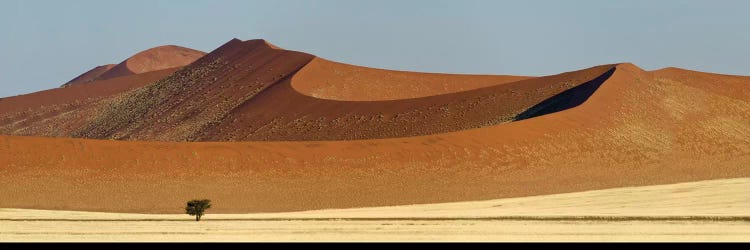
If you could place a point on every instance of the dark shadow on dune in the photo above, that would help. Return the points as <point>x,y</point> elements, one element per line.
<point>565,100</point>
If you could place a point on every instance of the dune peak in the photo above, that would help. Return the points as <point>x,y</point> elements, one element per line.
<point>629,66</point>
<point>153,59</point>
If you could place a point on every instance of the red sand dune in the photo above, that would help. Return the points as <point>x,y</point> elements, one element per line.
<point>243,91</point>
<point>62,111</point>
<point>158,58</point>
<point>90,75</point>
<point>227,96</point>
<point>636,128</point>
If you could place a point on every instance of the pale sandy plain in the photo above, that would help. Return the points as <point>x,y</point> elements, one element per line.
<point>714,210</point>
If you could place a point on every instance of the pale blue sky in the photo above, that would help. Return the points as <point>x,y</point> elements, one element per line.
<point>46,43</point>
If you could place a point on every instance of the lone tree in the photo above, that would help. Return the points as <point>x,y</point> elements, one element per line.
<point>197,208</point>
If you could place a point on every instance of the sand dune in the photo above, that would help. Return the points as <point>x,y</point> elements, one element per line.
<point>178,107</point>
<point>243,91</point>
<point>61,112</point>
<point>249,91</point>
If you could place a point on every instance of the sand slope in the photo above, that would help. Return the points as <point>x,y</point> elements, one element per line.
<point>59,112</point>
<point>727,85</point>
<point>90,76</point>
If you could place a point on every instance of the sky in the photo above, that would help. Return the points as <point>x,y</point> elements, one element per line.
<point>45,43</point>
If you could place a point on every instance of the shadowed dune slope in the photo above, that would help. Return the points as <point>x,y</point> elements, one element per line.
<point>337,81</point>
<point>157,58</point>
<point>90,75</point>
<point>244,91</point>
<point>635,129</point>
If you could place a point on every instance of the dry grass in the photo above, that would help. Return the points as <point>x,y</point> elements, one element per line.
<point>717,210</point>
<point>383,230</point>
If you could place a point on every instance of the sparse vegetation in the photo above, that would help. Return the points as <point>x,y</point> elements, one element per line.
<point>197,208</point>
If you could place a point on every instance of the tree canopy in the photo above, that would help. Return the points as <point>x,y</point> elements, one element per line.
<point>197,208</point>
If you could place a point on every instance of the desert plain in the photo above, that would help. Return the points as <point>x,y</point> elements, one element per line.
<point>714,210</point>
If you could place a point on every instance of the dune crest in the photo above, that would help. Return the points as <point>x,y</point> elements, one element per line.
<point>325,79</point>
<point>157,58</point>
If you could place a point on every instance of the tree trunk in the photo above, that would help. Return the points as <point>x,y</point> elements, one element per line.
<point>197,218</point>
